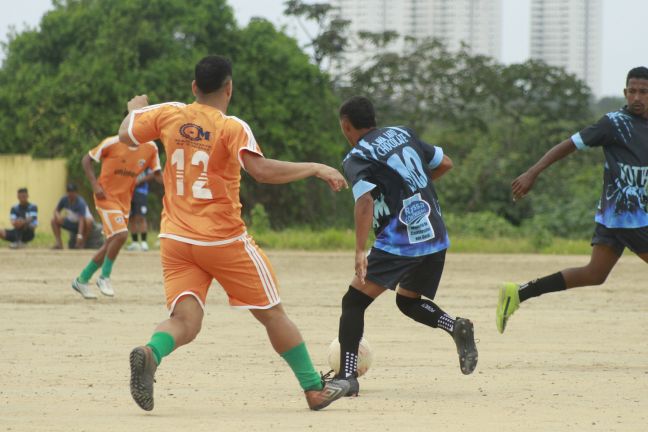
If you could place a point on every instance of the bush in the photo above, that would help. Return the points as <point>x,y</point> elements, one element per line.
<point>479,224</point>
<point>259,220</point>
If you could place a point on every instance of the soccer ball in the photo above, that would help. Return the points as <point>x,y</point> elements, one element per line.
<point>365,356</point>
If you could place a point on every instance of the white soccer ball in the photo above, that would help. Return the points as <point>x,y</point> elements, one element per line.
<point>365,356</point>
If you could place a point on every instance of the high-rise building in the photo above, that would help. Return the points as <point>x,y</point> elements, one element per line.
<point>474,22</point>
<point>567,33</point>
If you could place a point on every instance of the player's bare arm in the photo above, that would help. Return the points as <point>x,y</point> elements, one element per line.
<point>86,163</point>
<point>135,103</point>
<point>155,175</point>
<point>279,172</point>
<point>523,184</point>
<point>445,166</point>
<point>364,209</point>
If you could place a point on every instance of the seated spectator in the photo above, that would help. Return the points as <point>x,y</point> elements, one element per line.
<point>73,215</point>
<point>24,218</point>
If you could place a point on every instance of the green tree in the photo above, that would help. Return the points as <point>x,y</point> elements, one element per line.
<point>64,86</point>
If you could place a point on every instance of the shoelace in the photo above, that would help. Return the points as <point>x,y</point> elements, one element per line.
<point>328,376</point>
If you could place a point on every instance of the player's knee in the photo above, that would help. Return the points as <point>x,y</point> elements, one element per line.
<point>120,238</point>
<point>355,300</point>
<point>405,304</point>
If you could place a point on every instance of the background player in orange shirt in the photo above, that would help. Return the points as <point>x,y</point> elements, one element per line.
<point>120,166</point>
<point>202,234</point>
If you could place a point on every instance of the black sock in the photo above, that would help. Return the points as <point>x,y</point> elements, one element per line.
<point>425,312</point>
<point>547,284</point>
<point>354,304</point>
<point>134,237</point>
<point>143,235</point>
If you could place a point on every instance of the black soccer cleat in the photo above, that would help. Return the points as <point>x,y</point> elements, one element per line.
<point>354,385</point>
<point>332,391</point>
<point>143,368</point>
<point>463,334</point>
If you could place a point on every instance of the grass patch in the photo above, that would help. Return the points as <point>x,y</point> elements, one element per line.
<point>334,239</point>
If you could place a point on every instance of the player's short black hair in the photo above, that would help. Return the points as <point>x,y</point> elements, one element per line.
<point>71,187</point>
<point>22,190</point>
<point>640,72</point>
<point>360,112</point>
<point>212,72</point>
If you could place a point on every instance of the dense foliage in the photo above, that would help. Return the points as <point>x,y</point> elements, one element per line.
<point>63,87</point>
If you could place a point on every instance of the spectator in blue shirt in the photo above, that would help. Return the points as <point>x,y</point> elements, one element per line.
<point>73,215</point>
<point>24,219</point>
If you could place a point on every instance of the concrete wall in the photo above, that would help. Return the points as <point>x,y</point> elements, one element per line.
<point>45,179</point>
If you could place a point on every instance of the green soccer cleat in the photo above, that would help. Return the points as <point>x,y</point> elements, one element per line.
<point>508,302</point>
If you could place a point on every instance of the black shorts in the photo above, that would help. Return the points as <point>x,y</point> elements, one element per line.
<point>68,225</point>
<point>16,235</point>
<point>419,274</point>
<point>635,239</point>
<point>139,205</point>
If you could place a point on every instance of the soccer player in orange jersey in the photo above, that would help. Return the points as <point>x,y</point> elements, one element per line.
<point>202,234</point>
<point>113,191</point>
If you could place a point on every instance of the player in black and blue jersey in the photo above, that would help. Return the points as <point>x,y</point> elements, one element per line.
<point>622,215</point>
<point>392,174</point>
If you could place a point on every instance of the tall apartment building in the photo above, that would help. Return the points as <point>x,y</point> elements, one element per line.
<point>567,33</point>
<point>475,22</point>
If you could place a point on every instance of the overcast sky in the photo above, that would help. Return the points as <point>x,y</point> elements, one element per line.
<point>625,30</point>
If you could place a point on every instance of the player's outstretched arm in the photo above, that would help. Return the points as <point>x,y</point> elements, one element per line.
<point>363,212</point>
<point>445,166</point>
<point>523,184</point>
<point>86,163</point>
<point>278,172</point>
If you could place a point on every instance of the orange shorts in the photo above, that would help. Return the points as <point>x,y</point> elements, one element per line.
<point>114,221</point>
<point>241,268</point>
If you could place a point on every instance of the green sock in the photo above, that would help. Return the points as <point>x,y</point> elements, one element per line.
<point>161,344</point>
<point>106,268</point>
<point>88,271</point>
<point>301,364</point>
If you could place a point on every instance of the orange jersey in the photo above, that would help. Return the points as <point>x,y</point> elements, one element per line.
<point>202,177</point>
<point>120,166</point>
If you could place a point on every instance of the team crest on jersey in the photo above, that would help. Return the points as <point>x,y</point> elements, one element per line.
<point>119,219</point>
<point>194,132</point>
<point>141,163</point>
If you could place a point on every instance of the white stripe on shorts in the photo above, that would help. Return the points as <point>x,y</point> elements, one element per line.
<point>262,269</point>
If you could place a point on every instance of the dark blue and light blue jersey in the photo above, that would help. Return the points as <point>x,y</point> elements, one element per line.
<point>75,210</point>
<point>393,165</point>
<point>624,138</point>
<point>27,212</point>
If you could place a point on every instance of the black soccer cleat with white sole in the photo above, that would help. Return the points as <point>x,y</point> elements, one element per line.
<point>143,366</point>
<point>463,334</point>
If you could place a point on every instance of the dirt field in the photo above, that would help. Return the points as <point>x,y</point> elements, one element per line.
<point>568,362</point>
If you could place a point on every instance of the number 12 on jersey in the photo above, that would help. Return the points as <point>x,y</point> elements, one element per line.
<point>199,158</point>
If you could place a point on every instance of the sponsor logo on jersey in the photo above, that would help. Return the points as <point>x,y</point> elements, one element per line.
<point>193,132</point>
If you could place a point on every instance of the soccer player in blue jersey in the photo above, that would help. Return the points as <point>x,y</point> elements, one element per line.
<point>392,173</point>
<point>622,215</point>
<point>139,211</point>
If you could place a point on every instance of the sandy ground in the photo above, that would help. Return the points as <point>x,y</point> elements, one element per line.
<point>568,362</point>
